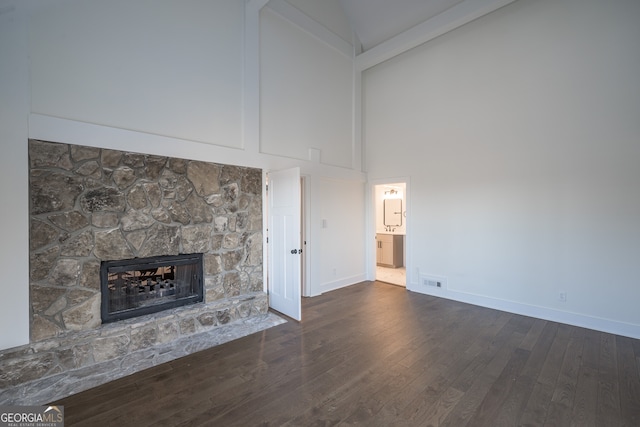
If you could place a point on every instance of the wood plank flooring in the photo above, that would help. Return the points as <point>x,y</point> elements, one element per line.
<point>374,354</point>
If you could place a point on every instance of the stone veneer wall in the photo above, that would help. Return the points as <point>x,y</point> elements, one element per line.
<point>91,204</point>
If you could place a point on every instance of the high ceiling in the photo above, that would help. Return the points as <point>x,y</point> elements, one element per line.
<point>375,21</point>
<point>376,30</point>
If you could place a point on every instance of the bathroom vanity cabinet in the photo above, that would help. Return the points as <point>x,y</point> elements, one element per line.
<point>389,250</point>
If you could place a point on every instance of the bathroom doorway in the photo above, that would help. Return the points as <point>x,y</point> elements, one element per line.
<point>390,218</point>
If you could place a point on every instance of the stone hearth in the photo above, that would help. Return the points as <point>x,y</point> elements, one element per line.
<point>89,205</point>
<point>48,370</point>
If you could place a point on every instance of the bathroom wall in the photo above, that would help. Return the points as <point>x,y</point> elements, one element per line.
<point>379,198</point>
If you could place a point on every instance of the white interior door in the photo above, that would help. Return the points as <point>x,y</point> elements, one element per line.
<point>284,244</point>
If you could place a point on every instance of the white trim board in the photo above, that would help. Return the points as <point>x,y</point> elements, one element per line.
<point>440,24</point>
<point>544,313</point>
<point>341,283</point>
<point>298,18</point>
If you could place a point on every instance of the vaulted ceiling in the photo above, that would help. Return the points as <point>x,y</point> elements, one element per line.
<point>375,21</point>
<point>377,30</point>
<point>386,28</point>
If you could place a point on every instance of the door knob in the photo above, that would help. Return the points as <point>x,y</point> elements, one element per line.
<point>294,251</point>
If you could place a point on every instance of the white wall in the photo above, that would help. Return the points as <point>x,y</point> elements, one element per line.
<point>329,13</point>
<point>338,211</point>
<point>173,69</point>
<point>306,96</point>
<point>142,89</point>
<point>14,227</point>
<point>520,134</point>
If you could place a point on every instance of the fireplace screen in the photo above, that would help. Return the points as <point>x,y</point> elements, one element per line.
<point>141,286</point>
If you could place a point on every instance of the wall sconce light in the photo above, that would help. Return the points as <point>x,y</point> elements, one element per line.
<point>392,194</point>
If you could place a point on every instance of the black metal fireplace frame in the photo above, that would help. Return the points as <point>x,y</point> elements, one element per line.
<point>107,267</point>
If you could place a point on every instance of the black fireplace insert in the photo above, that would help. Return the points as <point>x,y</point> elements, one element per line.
<point>139,286</point>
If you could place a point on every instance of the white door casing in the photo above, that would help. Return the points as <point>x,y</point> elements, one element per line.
<point>284,244</point>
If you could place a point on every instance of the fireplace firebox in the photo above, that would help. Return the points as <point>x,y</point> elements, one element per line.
<point>135,287</point>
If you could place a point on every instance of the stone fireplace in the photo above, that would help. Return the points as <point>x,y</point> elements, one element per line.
<point>139,286</point>
<point>95,207</point>
<point>90,205</point>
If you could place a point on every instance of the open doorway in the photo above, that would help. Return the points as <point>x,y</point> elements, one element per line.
<point>390,208</point>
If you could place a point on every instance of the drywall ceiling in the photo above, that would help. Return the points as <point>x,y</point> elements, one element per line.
<point>375,21</point>
<point>377,30</point>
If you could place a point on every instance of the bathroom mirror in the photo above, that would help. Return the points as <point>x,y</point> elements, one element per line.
<point>392,212</point>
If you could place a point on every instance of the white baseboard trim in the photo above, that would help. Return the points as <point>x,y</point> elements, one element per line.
<point>341,283</point>
<point>575,319</point>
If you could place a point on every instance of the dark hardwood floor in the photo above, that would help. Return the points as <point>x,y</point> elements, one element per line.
<point>377,355</point>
